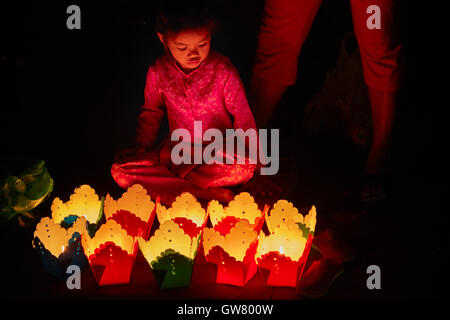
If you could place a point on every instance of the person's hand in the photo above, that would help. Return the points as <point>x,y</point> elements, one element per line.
<point>129,153</point>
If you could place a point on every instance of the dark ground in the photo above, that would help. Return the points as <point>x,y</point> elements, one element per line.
<point>72,98</point>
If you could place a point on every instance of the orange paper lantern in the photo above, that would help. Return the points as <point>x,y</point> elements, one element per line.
<point>84,202</point>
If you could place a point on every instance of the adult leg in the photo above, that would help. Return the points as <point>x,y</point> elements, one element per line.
<point>383,109</point>
<point>380,52</point>
<point>284,27</point>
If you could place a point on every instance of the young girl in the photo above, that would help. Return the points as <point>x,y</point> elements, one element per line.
<point>189,82</point>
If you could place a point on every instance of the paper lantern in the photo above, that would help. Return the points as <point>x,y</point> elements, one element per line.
<point>284,252</point>
<point>242,207</point>
<point>111,253</point>
<point>185,206</point>
<point>233,252</point>
<point>171,252</point>
<point>59,247</point>
<point>284,212</point>
<point>83,202</point>
<point>172,249</point>
<point>134,211</point>
<point>63,231</point>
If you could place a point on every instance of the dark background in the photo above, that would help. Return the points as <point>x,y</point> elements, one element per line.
<point>71,97</point>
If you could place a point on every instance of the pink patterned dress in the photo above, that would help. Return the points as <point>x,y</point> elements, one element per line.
<point>213,94</point>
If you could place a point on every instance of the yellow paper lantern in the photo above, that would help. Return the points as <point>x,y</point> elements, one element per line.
<point>287,239</point>
<point>169,236</point>
<point>83,202</point>
<point>59,247</point>
<point>185,206</point>
<point>171,251</point>
<point>56,238</point>
<point>242,207</point>
<point>135,200</point>
<point>235,243</point>
<point>285,250</point>
<point>284,212</point>
<point>134,211</point>
<point>233,252</point>
<point>112,232</point>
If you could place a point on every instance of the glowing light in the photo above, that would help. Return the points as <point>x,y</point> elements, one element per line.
<point>285,250</point>
<point>134,211</point>
<point>184,206</point>
<point>242,207</point>
<point>51,240</point>
<point>83,202</point>
<point>54,237</point>
<point>113,242</point>
<point>171,243</point>
<point>233,253</point>
<point>135,200</point>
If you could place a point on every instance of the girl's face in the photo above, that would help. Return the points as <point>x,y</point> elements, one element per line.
<point>189,48</point>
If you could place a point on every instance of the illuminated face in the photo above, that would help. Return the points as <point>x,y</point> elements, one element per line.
<point>189,48</point>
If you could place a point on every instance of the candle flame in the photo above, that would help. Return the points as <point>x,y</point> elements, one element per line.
<point>62,248</point>
<point>281,250</point>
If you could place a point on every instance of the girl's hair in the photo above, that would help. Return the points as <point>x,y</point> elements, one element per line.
<point>175,16</point>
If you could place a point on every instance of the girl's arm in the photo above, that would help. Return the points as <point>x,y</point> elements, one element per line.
<point>236,101</point>
<point>152,112</point>
<point>237,105</point>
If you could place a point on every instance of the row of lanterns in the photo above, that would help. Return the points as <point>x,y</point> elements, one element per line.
<point>236,242</point>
